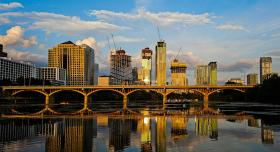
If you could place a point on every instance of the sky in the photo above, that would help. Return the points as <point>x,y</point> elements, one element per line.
<point>235,33</point>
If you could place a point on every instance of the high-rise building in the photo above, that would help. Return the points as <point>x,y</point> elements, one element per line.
<point>178,73</point>
<point>95,73</point>
<point>161,63</point>
<point>57,76</point>
<point>212,71</point>
<point>146,71</point>
<point>78,60</point>
<point>202,75</point>
<point>12,70</point>
<point>2,54</point>
<point>134,75</point>
<point>265,67</point>
<point>120,68</point>
<point>252,79</point>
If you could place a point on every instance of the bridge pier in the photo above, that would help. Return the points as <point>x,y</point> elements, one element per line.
<point>124,102</point>
<point>47,101</point>
<point>85,101</point>
<point>205,100</point>
<point>164,98</point>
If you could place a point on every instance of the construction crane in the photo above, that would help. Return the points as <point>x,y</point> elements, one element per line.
<point>158,34</point>
<point>114,41</point>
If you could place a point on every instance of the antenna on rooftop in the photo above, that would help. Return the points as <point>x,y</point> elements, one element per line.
<point>114,42</point>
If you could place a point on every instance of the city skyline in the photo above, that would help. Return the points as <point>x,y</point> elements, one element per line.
<point>235,38</point>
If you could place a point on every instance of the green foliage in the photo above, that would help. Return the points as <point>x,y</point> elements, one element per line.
<point>266,92</point>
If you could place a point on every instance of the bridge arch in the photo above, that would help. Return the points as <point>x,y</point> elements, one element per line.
<point>94,91</point>
<point>41,92</point>
<point>54,92</point>
<point>225,89</point>
<point>145,90</point>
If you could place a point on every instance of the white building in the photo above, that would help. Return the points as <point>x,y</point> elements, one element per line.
<point>12,70</point>
<point>57,76</point>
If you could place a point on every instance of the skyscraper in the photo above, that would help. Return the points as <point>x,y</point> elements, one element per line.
<point>202,75</point>
<point>78,60</point>
<point>178,73</point>
<point>146,71</point>
<point>161,63</point>
<point>212,71</point>
<point>252,79</point>
<point>2,54</point>
<point>265,67</point>
<point>120,67</point>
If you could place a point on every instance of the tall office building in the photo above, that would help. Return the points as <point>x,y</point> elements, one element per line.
<point>265,67</point>
<point>12,70</point>
<point>2,54</point>
<point>212,71</point>
<point>146,71</point>
<point>78,60</point>
<point>120,68</point>
<point>178,73</point>
<point>252,79</point>
<point>202,75</point>
<point>161,63</point>
<point>95,74</point>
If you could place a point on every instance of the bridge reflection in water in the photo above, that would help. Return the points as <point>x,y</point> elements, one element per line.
<point>107,133</point>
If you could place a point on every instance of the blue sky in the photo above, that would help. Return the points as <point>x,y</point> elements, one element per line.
<point>235,33</point>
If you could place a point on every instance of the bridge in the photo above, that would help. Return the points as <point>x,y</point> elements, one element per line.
<point>124,90</point>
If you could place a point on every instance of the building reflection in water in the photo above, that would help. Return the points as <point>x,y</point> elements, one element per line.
<point>207,126</point>
<point>144,127</point>
<point>179,128</point>
<point>72,135</point>
<point>160,134</point>
<point>267,134</point>
<point>120,132</point>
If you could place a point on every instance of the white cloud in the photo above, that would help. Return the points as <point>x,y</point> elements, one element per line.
<point>160,18</point>
<point>58,23</point>
<point>233,27</point>
<point>25,56</point>
<point>10,6</point>
<point>90,41</point>
<point>187,57</point>
<point>15,36</point>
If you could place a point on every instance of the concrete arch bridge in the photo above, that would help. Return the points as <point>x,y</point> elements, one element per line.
<point>124,90</point>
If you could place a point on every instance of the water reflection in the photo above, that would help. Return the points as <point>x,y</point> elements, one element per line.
<point>146,134</point>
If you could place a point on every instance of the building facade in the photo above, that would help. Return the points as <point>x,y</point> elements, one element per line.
<point>252,79</point>
<point>2,54</point>
<point>104,80</point>
<point>202,75</point>
<point>95,73</point>
<point>265,67</point>
<point>161,63</point>
<point>57,76</point>
<point>212,71</point>
<point>146,66</point>
<point>236,81</point>
<point>78,60</point>
<point>178,73</point>
<point>12,70</point>
<point>120,68</point>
